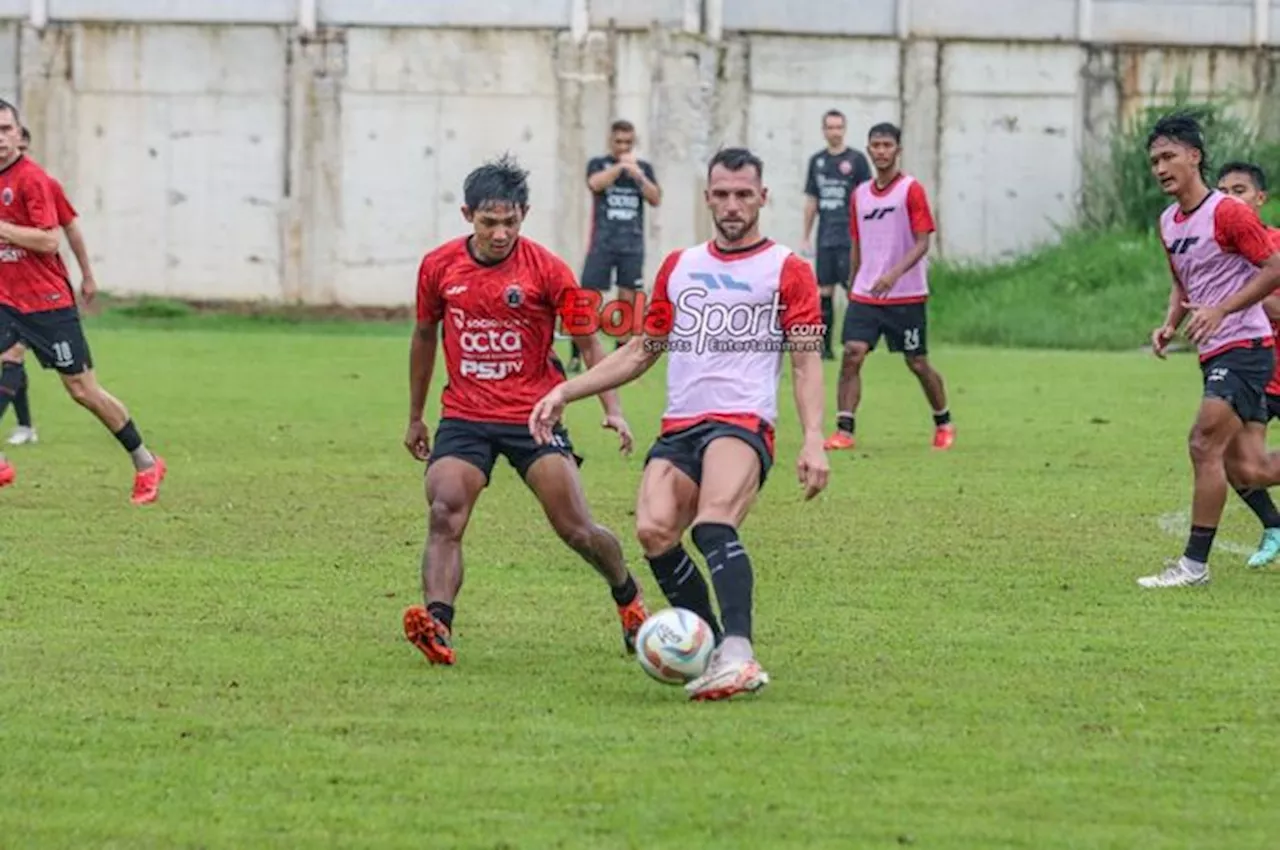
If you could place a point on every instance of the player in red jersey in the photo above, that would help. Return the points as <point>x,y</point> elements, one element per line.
<point>725,310</point>
<point>66,214</point>
<point>495,292</point>
<point>1248,182</point>
<point>38,309</point>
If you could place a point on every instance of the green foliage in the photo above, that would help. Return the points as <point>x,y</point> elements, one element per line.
<point>1119,191</point>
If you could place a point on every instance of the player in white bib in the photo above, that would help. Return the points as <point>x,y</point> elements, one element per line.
<point>725,310</point>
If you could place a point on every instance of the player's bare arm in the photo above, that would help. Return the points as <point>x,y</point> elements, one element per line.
<point>422,363</point>
<point>592,354</point>
<point>1177,311</point>
<point>651,191</point>
<point>915,255</point>
<point>1207,319</point>
<point>812,467</point>
<point>31,238</point>
<point>623,366</point>
<point>810,216</point>
<point>602,180</point>
<point>75,238</point>
<point>1271,306</point>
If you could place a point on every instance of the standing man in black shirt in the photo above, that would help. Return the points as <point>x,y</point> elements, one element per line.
<point>620,185</point>
<point>833,173</point>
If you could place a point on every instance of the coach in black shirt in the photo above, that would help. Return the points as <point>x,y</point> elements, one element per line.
<point>620,186</point>
<point>828,189</point>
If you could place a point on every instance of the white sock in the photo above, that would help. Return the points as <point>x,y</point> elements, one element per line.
<point>736,648</point>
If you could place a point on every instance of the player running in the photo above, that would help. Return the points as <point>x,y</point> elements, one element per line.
<point>717,441</point>
<point>833,174</point>
<point>1223,265</point>
<point>38,309</point>
<point>890,224</point>
<point>26,432</point>
<point>1248,182</point>
<point>495,292</point>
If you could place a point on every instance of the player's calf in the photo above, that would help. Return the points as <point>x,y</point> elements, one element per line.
<point>677,575</point>
<point>935,391</point>
<point>734,581</point>
<point>600,548</point>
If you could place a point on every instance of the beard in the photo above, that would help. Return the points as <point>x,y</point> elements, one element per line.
<point>732,231</point>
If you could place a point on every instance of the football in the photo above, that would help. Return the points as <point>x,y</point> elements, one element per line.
<point>674,646</point>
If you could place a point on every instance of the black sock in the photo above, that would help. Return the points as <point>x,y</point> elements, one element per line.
<point>574,352</point>
<point>1199,543</point>
<point>828,319</point>
<point>442,612</point>
<point>683,585</point>
<point>943,418</point>
<point>844,422</point>
<point>1259,501</point>
<point>129,437</point>
<point>22,405</point>
<point>12,377</point>
<point>627,593</point>
<point>730,573</point>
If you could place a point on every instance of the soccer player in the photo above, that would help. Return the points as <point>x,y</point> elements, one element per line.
<point>1248,182</point>
<point>620,184</point>
<point>1222,264</point>
<point>889,225</point>
<point>833,174</point>
<point>717,438</point>
<point>496,293</point>
<point>26,432</point>
<point>38,309</point>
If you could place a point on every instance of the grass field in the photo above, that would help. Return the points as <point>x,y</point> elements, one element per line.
<point>960,656</point>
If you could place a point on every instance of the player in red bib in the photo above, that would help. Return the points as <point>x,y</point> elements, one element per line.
<point>495,294</point>
<point>66,214</point>
<point>725,310</point>
<point>38,309</point>
<point>1248,182</point>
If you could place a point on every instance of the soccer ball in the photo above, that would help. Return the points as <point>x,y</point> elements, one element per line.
<point>674,646</point>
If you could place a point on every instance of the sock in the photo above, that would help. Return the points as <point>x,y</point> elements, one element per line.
<point>22,405</point>
<point>844,422</point>
<point>828,319</point>
<point>574,352</point>
<point>1259,501</point>
<point>683,585</point>
<point>132,442</point>
<point>626,593</point>
<point>1199,544</point>
<point>12,377</point>
<point>442,612</point>
<point>731,575</point>
<point>943,418</point>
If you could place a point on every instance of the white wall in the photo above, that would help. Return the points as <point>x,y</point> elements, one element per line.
<point>220,149</point>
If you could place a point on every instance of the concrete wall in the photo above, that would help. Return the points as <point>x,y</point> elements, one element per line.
<point>312,151</point>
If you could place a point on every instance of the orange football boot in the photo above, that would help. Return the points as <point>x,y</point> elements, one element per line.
<point>7,473</point>
<point>429,635</point>
<point>146,484</point>
<point>632,616</point>
<point>944,436</point>
<point>838,441</point>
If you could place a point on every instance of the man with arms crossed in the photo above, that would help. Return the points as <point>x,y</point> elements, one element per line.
<point>717,443</point>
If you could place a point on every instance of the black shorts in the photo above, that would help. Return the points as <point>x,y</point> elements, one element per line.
<point>480,443</point>
<point>56,337</point>
<point>603,269</point>
<point>832,266</point>
<point>905,326</point>
<point>1273,407</point>
<point>1239,376</point>
<point>684,449</point>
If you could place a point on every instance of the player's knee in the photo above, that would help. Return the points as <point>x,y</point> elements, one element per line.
<point>578,536</point>
<point>919,366</point>
<point>656,537</point>
<point>1204,448</point>
<point>446,518</point>
<point>82,389</point>
<point>854,354</point>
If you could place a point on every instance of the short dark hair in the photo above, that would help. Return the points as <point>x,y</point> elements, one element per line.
<point>735,159</point>
<point>17,116</point>
<point>1255,172</point>
<point>26,135</point>
<point>622,126</point>
<point>497,182</point>
<point>1184,128</point>
<point>833,113</point>
<point>884,128</point>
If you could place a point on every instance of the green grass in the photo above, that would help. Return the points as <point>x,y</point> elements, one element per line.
<point>961,658</point>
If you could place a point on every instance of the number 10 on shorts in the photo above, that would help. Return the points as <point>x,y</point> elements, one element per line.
<point>62,356</point>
